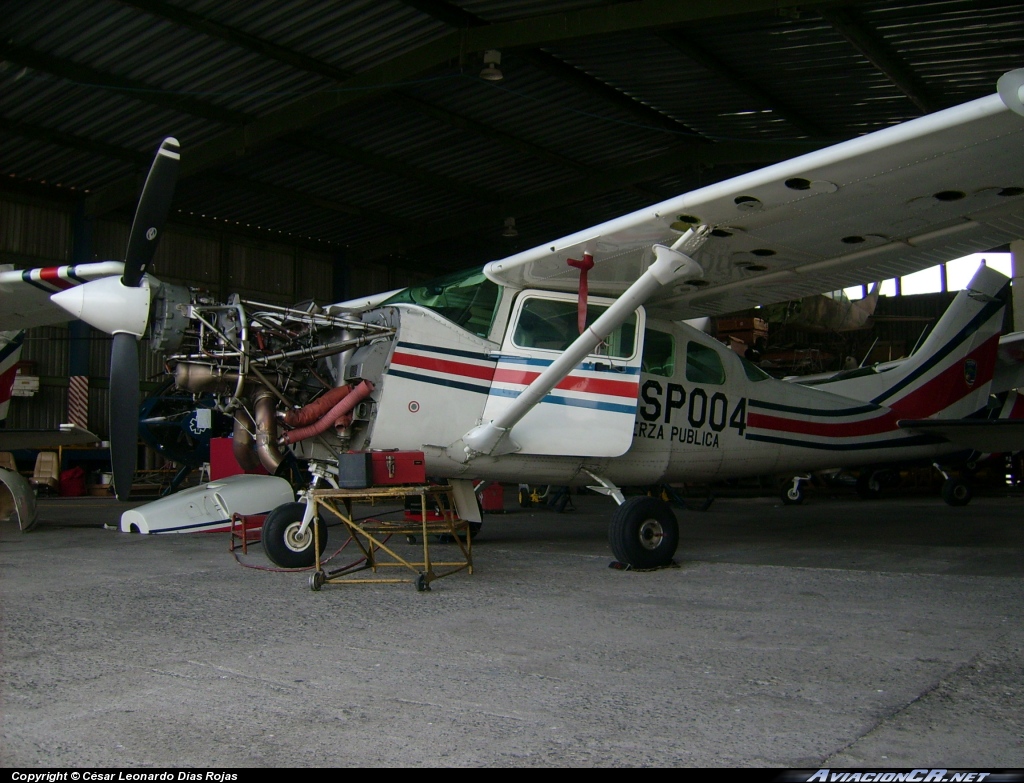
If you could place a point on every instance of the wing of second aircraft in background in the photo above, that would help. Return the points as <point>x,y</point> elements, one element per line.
<point>25,293</point>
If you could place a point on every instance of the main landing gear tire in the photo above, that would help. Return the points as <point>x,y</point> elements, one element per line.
<point>282,542</point>
<point>792,495</point>
<point>644,533</point>
<point>525,501</point>
<point>869,486</point>
<point>956,492</point>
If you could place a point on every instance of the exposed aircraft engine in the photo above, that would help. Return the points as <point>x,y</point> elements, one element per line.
<point>273,368</point>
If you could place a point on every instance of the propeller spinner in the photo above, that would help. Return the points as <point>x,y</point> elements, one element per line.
<point>121,308</point>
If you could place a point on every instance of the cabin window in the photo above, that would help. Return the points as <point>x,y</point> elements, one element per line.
<point>468,299</point>
<point>659,353</point>
<point>703,364</point>
<point>552,325</point>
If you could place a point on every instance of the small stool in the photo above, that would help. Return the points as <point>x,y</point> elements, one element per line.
<point>246,528</point>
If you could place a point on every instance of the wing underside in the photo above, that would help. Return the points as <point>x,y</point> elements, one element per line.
<point>886,204</point>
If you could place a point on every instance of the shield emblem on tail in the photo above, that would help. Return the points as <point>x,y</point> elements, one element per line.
<point>970,371</point>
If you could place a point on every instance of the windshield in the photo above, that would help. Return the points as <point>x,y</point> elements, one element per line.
<point>467,299</point>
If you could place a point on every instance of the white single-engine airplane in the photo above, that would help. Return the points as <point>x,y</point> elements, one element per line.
<point>515,373</point>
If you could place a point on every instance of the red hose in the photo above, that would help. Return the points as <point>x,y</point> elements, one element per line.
<point>310,413</point>
<point>360,392</point>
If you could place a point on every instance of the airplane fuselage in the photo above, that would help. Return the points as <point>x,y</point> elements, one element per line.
<point>673,406</point>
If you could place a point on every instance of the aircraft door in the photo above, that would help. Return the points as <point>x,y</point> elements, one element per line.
<point>591,412</point>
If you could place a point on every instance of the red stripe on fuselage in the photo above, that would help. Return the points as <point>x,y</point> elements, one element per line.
<point>846,429</point>
<point>572,383</point>
<point>443,365</point>
<point>949,386</point>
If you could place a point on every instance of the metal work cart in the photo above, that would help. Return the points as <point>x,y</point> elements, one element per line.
<point>371,536</point>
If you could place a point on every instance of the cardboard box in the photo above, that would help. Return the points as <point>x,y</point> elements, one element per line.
<point>742,325</point>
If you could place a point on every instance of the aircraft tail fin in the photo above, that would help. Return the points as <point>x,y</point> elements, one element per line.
<point>10,354</point>
<point>950,374</point>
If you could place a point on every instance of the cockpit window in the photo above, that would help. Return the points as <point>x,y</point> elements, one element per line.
<point>468,299</point>
<point>703,364</point>
<point>553,324</point>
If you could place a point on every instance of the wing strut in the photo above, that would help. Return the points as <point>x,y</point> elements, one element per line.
<point>671,264</point>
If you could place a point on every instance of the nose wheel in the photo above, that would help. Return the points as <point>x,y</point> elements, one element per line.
<point>283,541</point>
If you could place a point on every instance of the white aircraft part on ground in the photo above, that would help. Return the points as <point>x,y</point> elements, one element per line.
<point>21,502</point>
<point>208,507</point>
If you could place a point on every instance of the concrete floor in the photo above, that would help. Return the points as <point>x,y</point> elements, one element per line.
<point>837,633</point>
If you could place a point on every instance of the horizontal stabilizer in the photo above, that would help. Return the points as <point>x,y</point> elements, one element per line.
<point>989,436</point>
<point>1009,372</point>
<point>67,435</point>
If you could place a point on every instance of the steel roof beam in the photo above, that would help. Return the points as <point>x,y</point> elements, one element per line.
<point>680,158</point>
<point>531,32</point>
<point>239,38</point>
<point>452,14</point>
<point>869,43</point>
<point>293,196</point>
<point>85,76</point>
<point>342,151</point>
<point>762,97</point>
<point>558,69</point>
<point>72,141</point>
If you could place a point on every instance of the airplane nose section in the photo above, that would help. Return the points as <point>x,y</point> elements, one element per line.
<point>108,305</point>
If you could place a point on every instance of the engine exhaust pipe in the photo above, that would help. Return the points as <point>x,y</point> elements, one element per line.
<point>200,378</point>
<point>263,406</point>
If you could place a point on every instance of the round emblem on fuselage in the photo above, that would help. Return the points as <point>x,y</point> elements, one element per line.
<point>414,407</point>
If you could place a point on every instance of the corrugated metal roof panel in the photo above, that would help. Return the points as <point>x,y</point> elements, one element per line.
<point>560,119</point>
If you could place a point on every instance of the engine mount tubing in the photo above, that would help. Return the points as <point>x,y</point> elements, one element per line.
<point>264,412</point>
<point>354,397</point>
<point>310,413</point>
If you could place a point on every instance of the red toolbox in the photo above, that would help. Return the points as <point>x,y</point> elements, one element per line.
<point>398,467</point>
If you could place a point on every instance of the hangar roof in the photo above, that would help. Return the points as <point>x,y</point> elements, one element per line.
<point>365,128</point>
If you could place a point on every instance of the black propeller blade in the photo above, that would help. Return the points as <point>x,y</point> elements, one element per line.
<point>151,213</point>
<point>150,216</point>
<point>124,405</point>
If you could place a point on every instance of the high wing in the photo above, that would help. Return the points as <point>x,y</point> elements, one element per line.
<point>882,205</point>
<point>25,293</point>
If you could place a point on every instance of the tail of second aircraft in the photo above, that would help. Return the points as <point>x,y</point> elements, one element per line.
<point>10,353</point>
<point>950,375</point>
